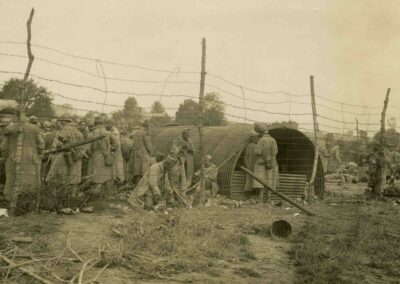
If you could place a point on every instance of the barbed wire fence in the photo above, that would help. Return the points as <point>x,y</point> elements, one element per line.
<point>242,104</point>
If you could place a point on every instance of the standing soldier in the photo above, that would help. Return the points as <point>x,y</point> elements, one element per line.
<point>250,158</point>
<point>210,177</point>
<point>118,158</point>
<point>335,160</point>
<point>101,162</point>
<point>142,149</point>
<point>126,147</point>
<point>185,146</point>
<point>266,167</point>
<point>84,129</point>
<point>67,166</point>
<point>22,169</point>
<point>324,156</point>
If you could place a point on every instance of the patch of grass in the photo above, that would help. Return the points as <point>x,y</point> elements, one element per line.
<point>349,243</point>
<point>247,272</point>
<point>185,241</point>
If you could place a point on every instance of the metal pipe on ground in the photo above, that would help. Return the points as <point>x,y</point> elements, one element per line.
<point>284,197</point>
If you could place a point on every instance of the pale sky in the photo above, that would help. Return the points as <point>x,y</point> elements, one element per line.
<point>351,47</point>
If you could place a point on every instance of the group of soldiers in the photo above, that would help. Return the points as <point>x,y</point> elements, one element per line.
<point>100,155</point>
<point>260,158</point>
<point>64,154</point>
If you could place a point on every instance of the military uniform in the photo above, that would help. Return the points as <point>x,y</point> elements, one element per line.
<point>29,162</point>
<point>118,158</point>
<point>142,149</point>
<point>185,146</point>
<point>67,166</point>
<point>266,166</point>
<point>100,161</point>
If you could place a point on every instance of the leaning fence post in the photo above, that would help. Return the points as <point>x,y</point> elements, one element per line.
<point>381,164</point>
<point>316,144</point>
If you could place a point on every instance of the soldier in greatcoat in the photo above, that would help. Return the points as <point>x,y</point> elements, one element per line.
<point>100,161</point>
<point>335,159</point>
<point>117,153</point>
<point>22,146</point>
<point>266,166</point>
<point>142,150</point>
<point>126,148</point>
<point>250,158</point>
<point>66,166</point>
<point>185,145</point>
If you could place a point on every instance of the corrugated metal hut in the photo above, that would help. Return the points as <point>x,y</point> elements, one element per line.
<point>295,157</point>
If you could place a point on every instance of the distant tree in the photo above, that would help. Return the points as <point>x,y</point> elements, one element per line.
<point>392,137</point>
<point>158,116</point>
<point>38,100</point>
<point>213,110</point>
<point>157,107</point>
<point>187,113</point>
<point>131,110</point>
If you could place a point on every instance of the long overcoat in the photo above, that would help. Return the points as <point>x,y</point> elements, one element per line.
<point>142,149</point>
<point>266,151</point>
<point>187,149</point>
<point>118,158</point>
<point>32,146</point>
<point>60,170</point>
<point>99,151</point>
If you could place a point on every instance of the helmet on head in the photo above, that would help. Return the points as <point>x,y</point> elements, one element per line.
<point>33,119</point>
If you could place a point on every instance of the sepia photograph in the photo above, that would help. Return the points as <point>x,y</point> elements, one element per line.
<point>188,141</point>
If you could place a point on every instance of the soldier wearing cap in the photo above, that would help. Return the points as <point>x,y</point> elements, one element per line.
<point>250,158</point>
<point>266,166</point>
<point>101,161</point>
<point>66,167</point>
<point>184,144</point>
<point>149,190</point>
<point>142,150</point>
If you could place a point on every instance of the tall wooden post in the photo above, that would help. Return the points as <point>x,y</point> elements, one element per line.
<point>316,142</point>
<point>201,118</point>
<point>20,137</point>
<point>381,164</point>
<point>358,143</point>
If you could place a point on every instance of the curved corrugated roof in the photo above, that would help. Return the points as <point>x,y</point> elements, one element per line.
<point>296,150</point>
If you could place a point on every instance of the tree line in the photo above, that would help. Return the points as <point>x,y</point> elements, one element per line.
<point>39,102</point>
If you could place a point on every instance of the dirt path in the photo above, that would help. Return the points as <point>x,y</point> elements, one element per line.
<point>271,263</point>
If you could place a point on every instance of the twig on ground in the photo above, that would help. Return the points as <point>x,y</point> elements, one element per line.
<point>26,271</point>
<point>69,246</point>
<point>98,274</point>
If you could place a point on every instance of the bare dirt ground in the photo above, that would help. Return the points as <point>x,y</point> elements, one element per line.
<point>269,261</point>
<point>222,243</point>
<point>350,240</point>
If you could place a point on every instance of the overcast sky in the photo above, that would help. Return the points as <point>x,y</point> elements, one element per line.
<point>351,47</point>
